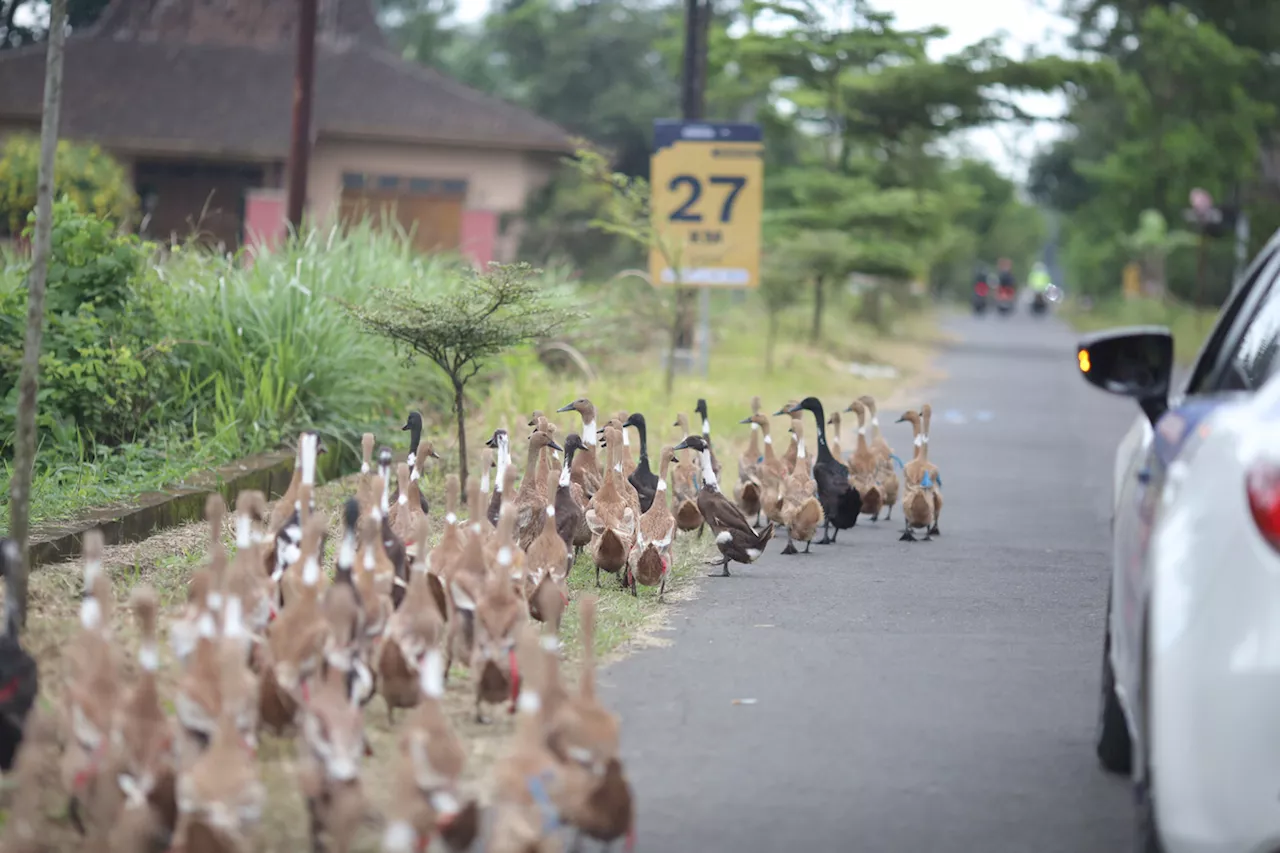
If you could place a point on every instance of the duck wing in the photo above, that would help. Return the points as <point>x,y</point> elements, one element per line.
<point>722,514</point>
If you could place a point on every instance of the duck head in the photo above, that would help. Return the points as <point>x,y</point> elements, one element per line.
<point>694,442</point>
<point>496,439</point>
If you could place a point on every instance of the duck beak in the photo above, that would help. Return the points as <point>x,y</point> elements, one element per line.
<point>745,421</point>
<point>684,445</point>
<point>403,428</point>
<point>320,448</point>
<point>432,453</point>
<point>782,411</point>
<point>492,442</point>
<point>900,420</point>
<point>555,446</point>
<point>568,408</point>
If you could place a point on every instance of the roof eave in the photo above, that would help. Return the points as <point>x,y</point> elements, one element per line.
<point>394,137</point>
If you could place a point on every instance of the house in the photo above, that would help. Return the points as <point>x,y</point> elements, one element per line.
<point>195,98</point>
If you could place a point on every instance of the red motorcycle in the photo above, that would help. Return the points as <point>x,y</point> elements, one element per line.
<point>1005,297</point>
<point>981,295</point>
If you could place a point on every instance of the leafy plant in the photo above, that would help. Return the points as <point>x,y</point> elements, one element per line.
<point>84,173</point>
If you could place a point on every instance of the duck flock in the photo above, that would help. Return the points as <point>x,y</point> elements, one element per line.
<point>269,641</point>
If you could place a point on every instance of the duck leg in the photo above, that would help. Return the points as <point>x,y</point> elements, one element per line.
<point>834,535</point>
<point>888,514</point>
<point>725,566</point>
<point>826,533</point>
<point>791,545</point>
<point>702,529</point>
<point>906,532</point>
<point>662,587</point>
<point>806,547</point>
<point>597,577</point>
<point>316,825</point>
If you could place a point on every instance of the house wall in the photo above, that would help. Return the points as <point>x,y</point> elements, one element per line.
<point>498,182</point>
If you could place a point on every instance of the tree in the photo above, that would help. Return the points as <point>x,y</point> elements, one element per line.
<point>484,314</point>
<point>778,291</point>
<point>24,451</point>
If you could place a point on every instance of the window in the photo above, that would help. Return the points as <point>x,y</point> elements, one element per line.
<point>1254,360</point>
<point>1252,313</point>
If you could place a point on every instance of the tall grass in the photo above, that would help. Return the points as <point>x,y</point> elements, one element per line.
<point>268,348</point>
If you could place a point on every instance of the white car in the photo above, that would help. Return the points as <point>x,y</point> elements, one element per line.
<point>1190,703</point>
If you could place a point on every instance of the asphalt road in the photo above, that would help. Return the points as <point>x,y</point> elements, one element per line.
<point>937,696</point>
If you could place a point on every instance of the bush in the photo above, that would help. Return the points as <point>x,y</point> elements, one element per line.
<point>84,173</point>
<point>103,367</point>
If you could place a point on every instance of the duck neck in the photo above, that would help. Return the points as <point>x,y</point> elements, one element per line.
<point>824,453</point>
<point>708,471</point>
<point>527,485</point>
<point>644,440</point>
<point>753,449</point>
<point>504,461</point>
<point>802,463</point>
<point>862,434</point>
<point>415,438</point>
<point>917,439</point>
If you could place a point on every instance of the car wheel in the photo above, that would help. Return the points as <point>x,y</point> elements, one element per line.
<point>1112,744</point>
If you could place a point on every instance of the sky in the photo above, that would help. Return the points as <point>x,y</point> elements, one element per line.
<point>1026,24</point>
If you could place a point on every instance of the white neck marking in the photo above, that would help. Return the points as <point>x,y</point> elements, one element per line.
<point>589,433</point>
<point>708,473</point>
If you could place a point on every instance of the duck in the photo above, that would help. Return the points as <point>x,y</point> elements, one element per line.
<point>531,501</point>
<point>500,444</point>
<point>886,474</point>
<point>641,477</point>
<point>523,817</point>
<point>684,485</point>
<point>737,540</point>
<point>428,774</point>
<point>612,520</point>
<point>917,497</point>
<point>547,562</point>
<point>841,503</point>
<point>334,746</point>
<point>791,410</point>
<point>650,558</point>
<point>586,465</point>
<point>800,506</point>
<point>833,440</point>
<point>747,491</point>
<point>772,471</point>
<point>570,502</point>
<point>619,420</point>
<point>926,414</point>
<point>418,455</point>
<point>863,467</point>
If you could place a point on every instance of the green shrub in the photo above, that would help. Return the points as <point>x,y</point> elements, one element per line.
<point>103,366</point>
<point>85,173</point>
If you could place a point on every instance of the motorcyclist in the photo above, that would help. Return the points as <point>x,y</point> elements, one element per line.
<point>1039,279</point>
<point>1006,278</point>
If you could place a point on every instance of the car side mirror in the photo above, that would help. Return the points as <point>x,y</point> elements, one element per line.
<point>1133,362</point>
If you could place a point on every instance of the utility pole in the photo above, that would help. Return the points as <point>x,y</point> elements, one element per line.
<point>24,450</point>
<point>697,26</point>
<point>300,139</point>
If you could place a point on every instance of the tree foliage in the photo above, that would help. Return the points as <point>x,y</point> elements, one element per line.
<point>1190,103</point>
<point>482,314</point>
<point>94,180</point>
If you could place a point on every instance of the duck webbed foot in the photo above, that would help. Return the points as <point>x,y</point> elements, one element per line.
<point>725,565</point>
<point>934,531</point>
<point>791,547</point>
<point>807,545</point>
<point>906,536</point>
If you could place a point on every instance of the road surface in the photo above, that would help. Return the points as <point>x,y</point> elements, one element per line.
<point>937,696</point>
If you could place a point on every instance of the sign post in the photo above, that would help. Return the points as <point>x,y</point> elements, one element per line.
<point>707,201</point>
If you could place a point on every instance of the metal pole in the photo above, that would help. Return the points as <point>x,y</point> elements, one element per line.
<point>300,139</point>
<point>697,27</point>
<point>691,96</point>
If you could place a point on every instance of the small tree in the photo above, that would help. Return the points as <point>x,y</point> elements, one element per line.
<point>626,214</point>
<point>483,314</point>
<point>823,256</point>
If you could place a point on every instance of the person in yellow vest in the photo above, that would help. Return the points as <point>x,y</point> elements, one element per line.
<point>1039,278</point>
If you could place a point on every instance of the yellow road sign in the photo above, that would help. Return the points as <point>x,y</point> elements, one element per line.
<point>707,199</point>
<point>1132,281</point>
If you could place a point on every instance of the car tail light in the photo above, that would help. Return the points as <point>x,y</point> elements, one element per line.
<point>981,289</point>
<point>1263,485</point>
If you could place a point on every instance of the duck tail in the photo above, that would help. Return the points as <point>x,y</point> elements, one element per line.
<point>765,536</point>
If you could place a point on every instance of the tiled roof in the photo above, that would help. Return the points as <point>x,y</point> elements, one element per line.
<point>133,88</point>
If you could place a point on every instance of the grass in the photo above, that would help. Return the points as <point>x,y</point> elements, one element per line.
<point>1189,325</point>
